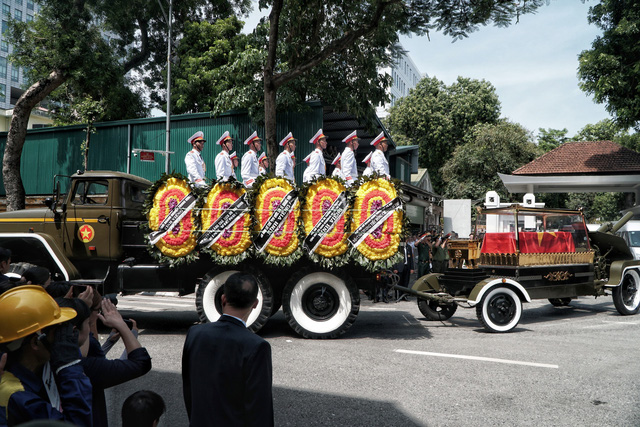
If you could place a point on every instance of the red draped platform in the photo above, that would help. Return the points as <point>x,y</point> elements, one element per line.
<point>531,242</point>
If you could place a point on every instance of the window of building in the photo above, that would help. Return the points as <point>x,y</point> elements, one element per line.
<point>4,46</point>
<point>19,2</point>
<point>17,14</point>
<point>3,92</point>
<point>6,11</point>
<point>15,73</point>
<point>3,68</point>
<point>5,26</point>
<point>30,4</point>
<point>29,18</point>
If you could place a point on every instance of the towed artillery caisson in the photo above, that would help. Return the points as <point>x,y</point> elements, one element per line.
<point>523,254</point>
<point>310,249</point>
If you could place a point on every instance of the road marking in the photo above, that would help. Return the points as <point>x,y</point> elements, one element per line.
<point>482,359</point>
<point>383,309</point>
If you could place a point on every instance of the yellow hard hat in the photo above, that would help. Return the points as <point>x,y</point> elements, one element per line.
<point>27,309</point>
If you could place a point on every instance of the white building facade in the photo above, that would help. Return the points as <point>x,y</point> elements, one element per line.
<point>405,75</point>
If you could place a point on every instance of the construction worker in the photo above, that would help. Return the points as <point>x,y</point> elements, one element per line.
<point>43,378</point>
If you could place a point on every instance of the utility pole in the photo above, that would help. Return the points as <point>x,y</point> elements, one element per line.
<point>168,142</point>
<point>167,145</point>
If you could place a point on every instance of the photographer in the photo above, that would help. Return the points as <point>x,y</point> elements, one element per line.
<point>41,343</point>
<point>103,372</point>
<point>441,254</point>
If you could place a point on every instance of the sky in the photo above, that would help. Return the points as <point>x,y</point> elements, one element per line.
<point>532,64</point>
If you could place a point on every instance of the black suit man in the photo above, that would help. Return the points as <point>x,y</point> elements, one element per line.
<point>226,369</point>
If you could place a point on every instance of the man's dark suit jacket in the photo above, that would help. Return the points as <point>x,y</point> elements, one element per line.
<point>227,375</point>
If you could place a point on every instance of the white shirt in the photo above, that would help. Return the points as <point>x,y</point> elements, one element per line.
<point>316,166</point>
<point>379,163</point>
<point>367,171</point>
<point>337,173</point>
<point>262,170</point>
<point>224,167</point>
<point>249,168</point>
<point>195,167</point>
<point>349,166</point>
<point>284,165</point>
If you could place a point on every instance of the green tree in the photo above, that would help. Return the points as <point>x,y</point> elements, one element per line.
<point>597,207</point>
<point>66,44</point>
<point>610,70</point>
<point>203,74</point>
<point>332,50</point>
<point>488,149</point>
<point>437,117</point>
<point>548,139</point>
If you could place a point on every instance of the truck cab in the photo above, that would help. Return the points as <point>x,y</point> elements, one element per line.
<point>82,233</point>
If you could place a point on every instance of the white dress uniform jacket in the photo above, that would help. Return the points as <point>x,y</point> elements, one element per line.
<point>349,167</point>
<point>379,163</point>
<point>316,166</point>
<point>224,167</point>
<point>195,167</point>
<point>250,168</point>
<point>284,166</point>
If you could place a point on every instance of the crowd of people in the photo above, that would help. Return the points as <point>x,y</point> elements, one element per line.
<point>53,366</point>
<point>253,164</point>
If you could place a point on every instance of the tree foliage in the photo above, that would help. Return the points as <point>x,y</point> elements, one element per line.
<point>437,117</point>
<point>610,70</point>
<point>487,149</point>
<point>89,46</point>
<point>548,139</point>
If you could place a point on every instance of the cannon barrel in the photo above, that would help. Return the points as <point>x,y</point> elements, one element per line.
<point>609,228</point>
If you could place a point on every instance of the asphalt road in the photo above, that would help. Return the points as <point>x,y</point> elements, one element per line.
<point>565,366</point>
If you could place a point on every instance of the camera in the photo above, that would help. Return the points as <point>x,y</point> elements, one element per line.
<point>129,323</point>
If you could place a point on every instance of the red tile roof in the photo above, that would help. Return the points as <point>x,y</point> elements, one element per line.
<point>584,157</point>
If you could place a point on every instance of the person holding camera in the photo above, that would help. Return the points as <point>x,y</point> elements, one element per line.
<point>424,245</point>
<point>43,377</point>
<point>103,372</point>
<point>441,254</point>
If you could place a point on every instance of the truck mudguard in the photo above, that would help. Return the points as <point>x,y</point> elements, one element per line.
<point>481,288</point>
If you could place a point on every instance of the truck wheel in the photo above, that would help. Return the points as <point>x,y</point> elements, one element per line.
<point>626,297</point>
<point>320,304</point>
<point>560,302</point>
<point>209,293</point>
<point>433,310</point>
<point>500,310</point>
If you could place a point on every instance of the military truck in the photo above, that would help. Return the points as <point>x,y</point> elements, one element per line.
<point>523,253</point>
<point>92,236</point>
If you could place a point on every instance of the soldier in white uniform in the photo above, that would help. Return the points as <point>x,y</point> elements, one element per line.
<point>305,175</point>
<point>379,162</point>
<point>234,161</point>
<point>224,167</point>
<point>263,163</point>
<point>196,168</point>
<point>348,162</point>
<point>316,166</point>
<point>337,171</point>
<point>367,171</point>
<point>285,160</point>
<point>249,169</point>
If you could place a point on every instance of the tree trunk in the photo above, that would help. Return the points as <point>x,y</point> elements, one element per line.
<point>18,133</point>
<point>270,88</point>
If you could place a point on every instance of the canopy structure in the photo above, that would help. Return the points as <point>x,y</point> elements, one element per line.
<point>579,167</point>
